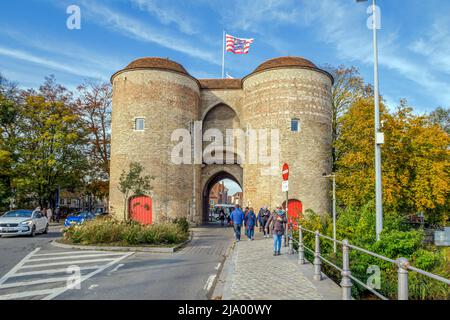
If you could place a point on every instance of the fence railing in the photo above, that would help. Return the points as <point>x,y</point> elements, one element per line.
<point>346,282</point>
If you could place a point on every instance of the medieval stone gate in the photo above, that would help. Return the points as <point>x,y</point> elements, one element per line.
<point>154,97</point>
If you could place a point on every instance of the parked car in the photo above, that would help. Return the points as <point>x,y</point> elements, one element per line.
<point>78,218</point>
<point>23,222</point>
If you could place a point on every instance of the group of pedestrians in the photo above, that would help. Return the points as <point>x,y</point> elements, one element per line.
<point>269,223</point>
<point>48,213</point>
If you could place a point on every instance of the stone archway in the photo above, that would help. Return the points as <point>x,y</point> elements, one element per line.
<point>212,175</point>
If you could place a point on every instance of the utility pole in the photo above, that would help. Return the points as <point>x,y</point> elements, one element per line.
<point>379,136</point>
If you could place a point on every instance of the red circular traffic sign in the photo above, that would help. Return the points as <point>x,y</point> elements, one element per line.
<point>285,172</point>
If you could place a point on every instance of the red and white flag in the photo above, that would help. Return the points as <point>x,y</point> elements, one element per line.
<point>238,45</point>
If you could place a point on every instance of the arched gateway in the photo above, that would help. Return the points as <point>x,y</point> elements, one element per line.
<point>155,99</point>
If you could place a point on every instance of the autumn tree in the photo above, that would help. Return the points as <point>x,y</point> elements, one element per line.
<point>50,145</point>
<point>414,160</point>
<point>94,107</point>
<point>348,86</point>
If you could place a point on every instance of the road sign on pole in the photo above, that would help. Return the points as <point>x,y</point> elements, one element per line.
<point>285,186</point>
<point>285,172</point>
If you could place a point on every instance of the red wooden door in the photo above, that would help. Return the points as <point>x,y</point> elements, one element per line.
<point>141,210</point>
<point>295,211</point>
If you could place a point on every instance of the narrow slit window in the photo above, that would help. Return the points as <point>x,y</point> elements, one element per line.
<point>295,125</point>
<point>139,124</point>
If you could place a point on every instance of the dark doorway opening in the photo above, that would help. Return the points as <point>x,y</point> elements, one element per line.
<point>222,191</point>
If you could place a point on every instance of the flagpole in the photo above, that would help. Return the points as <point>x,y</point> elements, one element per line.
<point>223,55</point>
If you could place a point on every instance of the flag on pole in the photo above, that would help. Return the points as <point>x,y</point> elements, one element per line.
<point>237,45</point>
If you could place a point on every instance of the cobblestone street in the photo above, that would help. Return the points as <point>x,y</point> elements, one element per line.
<point>255,274</point>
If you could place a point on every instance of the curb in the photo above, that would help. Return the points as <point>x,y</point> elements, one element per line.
<point>126,249</point>
<point>223,281</point>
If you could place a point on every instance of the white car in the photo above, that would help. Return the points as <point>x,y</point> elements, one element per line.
<point>23,222</point>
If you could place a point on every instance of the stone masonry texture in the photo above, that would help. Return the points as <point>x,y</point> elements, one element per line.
<point>168,98</point>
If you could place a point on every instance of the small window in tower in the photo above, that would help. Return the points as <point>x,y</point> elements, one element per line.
<point>295,125</point>
<point>139,124</point>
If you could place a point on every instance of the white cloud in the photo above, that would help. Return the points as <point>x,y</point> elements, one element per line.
<point>67,51</point>
<point>339,25</point>
<point>135,29</point>
<point>47,63</point>
<point>435,45</point>
<point>167,14</point>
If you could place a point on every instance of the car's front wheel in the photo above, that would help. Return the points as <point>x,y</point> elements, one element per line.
<point>33,231</point>
<point>46,229</point>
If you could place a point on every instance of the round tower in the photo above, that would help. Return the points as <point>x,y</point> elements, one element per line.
<point>292,95</point>
<point>153,97</point>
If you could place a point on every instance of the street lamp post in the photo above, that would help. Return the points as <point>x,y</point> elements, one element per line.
<point>334,207</point>
<point>379,138</point>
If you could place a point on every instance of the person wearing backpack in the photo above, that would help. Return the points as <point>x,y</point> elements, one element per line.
<point>278,221</point>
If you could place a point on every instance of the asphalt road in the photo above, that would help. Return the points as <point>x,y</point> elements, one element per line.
<point>187,274</point>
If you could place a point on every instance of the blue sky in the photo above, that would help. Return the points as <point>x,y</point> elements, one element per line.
<point>414,40</point>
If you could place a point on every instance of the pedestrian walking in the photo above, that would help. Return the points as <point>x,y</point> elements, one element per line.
<point>238,217</point>
<point>222,217</point>
<point>245,219</point>
<point>266,227</point>
<point>49,214</point>
<point>260,219</point>
<point>250,222</point>
<point>278,221</point>
<point>58,214</point>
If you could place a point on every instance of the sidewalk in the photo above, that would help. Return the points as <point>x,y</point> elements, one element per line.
<point>255,274</point>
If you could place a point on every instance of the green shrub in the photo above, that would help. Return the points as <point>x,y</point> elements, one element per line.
<point>182,223</point>
<point>358,227</point>
<point>129,233</point>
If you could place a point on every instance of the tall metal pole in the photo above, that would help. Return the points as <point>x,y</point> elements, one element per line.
<point>378,185</point>
<point>223,55</point>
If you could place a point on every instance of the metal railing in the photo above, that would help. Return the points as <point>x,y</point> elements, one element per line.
<point>346,282</point>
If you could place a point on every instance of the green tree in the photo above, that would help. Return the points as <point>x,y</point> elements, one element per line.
<point>133,183</point>
<point>50,145</point>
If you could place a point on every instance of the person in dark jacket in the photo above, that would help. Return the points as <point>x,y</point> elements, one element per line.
<point>277,222</point>
<point>222,217</point>
<point>260,218</point>
<point>250,222</point>
<point>265,218</point>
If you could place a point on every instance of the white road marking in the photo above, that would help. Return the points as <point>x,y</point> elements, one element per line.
<point>70,258</point>
<point>18,266</point>
<point>26,294</point>
<point>60,291</point>
<point>116,268</point>
<point>209,282</point>
<point>80,252</point>
<point>76,257</point>
<point>93,286</point>
<point>63,263</point>
<point>52,271</point>
<point>30,283</point>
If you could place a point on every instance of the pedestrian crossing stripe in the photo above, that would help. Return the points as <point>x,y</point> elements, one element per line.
<point>14,279</point>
